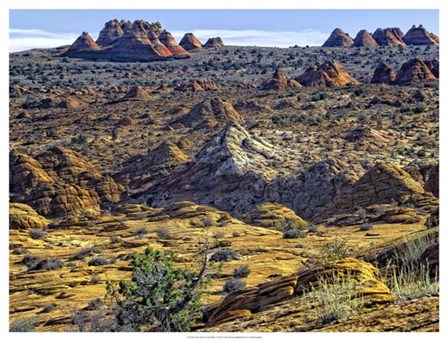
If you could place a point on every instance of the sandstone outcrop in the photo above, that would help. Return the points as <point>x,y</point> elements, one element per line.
<point>389,36</point>
<point>414,70</point>
<point>338,38</point>
<point>168,40</point>
<point>280,82</point>
<point>330,73</point>
<point>110,33</point>
<point>383,74</point>
<point>229,173</point>
<point>433,65</point>
<point>84,43</point>
<point>432,185</point>
<point>190,42</point>
<point>274,216</point>
<point>214,42</point>
<point>137,93</point>
<point>418,36</point>
<point>58,182</point>
<point>23,217</point>
<point>364,38</point>
<point>199,85</point>
<point>208,114</point>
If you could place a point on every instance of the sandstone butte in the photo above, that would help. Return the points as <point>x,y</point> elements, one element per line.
<point>338,38</point>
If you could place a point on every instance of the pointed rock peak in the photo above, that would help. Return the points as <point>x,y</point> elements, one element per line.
<point>84,43</point>
<point>168,40</point>
<point>279,75</point>
<point>414,70</point>
<point>190,42</point>
<point>280,82</point>
<point>330,73</point>
<point>136,92</point>
<point>167,151</point>
<point>110,33</point>
<point>338,38</point>
<point>214,42</point>
<point>419,36</point>
<point>364,38</point>
<point>383,74</point>
<point>388,36</point>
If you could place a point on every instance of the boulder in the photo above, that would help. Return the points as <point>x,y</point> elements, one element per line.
<point>274,216</point>
<point>24,217</point>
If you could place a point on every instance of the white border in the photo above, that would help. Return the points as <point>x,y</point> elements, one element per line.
<point>6,5</point>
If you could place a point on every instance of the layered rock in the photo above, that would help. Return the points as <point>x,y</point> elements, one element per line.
<point>432,184</point>
<point>208,114</point>
<point>386,183</point>
<point>364,38</point>
<point>414,70</point>
<point>383,74</point>
<point>418,36</point>
<point>389,36</point>
<point>84,43</point>
<point>168,40</point>
<point>312,189</point>
<point>280,82</point>
<point>330,73</point>
<point>23,217</point>
<point>367,136</point>
<point>229,173</point>
<point>274,216</point>
<point>141,171</point>
<point>199,85</point>
<point>59,182</point>
<point>366,280</point>
<point>338,38</point>
<point>433,65</point>
<point>190,42</point>
<point>214,42</point>
<point>110,33</point>
<point>137,93</point>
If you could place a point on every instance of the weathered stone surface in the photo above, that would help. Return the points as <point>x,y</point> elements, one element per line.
<point>23,217</point>
<point>433,65</point>
<point>229,173</point>
<point>82,44</point>
<point>364,38</point>
<point>338,38</point>
<point>388,36</point>
<point>168,40</point>
<point>280,82</point>
<point>214,42</point>
<point>414,70</point>
<point>432,185</point>
<point>110,33</point>
<point>383,74</point>
<point>418,36</point>
<point>137,93</point>
<point>330,73</point>
<point>199,85</point>
<point>190,42</point>
<point>208,114</point>
<point>274,216</point>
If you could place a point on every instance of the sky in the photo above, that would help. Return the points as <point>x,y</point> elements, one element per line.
<point>282,28</point>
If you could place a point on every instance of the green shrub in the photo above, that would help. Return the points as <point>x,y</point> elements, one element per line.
<point>224,255</point>
<point>241,271</point>
<point>294,233</point>
<point>233,284</point>
<point>22,325</point>
<point>335,251</point>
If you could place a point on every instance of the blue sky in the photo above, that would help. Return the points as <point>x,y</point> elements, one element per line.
<point>48,28</point>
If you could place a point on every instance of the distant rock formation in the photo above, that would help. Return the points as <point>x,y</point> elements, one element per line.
<point>414,70</point>
<point>364,38</point>
<point>383,74</point>
<point>280,82</point>
<point>338,38</point>
<point>330,73</point>
<point>433,65</point>
<point>110,33</point>
<point>389,36</point>
<point>199,85</point>
<point>137,93</point>
<point>208,114</point>
<point>126,41</point>
<point>84,43</point>
<point>418,36</point>
<point>190,42</point>
<point>214,42</point>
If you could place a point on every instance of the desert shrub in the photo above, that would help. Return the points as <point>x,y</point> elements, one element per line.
<point>97,249</point>
<point>366,227</point>
<point>241,271</point>
<point>219,235</point>
<point>235,234</point>
<point>233,284</point>
<point>141,232</point>
<point>81,255</point>
<point>312,228</point>
<point>298,246</point>
<point>333,299</point>
<point>22,325</point>
<point>98,261</point>
<point>294,233</point>
<point>37,233</point>
<point>35,263</point>
<point>224,255</point>
<point>48,308</point>
<point>163,233</point>
<point>335,250</point>
<point>159,297</point>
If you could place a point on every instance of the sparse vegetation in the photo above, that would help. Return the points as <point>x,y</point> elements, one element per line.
<point>241,271</point>
<point>233,284</point>
<point>22,325</point>
<point>224,255</point>
<point>294,233</point>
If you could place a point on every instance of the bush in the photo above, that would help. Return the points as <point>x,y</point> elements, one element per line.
<point>224,255</point>
<point>241,271</point>
<point>98,261</point>
<point>163,233</point>
<point>141,232</point>
<point>81,255</point>
<point>334,251</point>
<point>35,263</point>
<point>22,325</point>
<point>294,233</point>
<point>235,234</point>
<point>219,235</point>
<point>159,297</point>
<point>366,227</point>
<point>233,284</point>
<point>37,233</point>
